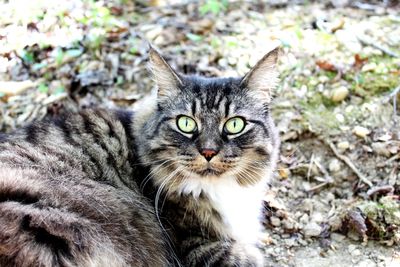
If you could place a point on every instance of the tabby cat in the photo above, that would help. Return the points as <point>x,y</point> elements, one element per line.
<point>177,182</point>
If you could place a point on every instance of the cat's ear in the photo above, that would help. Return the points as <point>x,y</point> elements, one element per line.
<point>166,78</point>
<point>261,80</point>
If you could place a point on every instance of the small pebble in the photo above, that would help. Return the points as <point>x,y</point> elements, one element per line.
<point>337,237</point>
<point>343,145</point>
<point>335,223</point>
<point>369,67</point>
<point>351,248</point>
<point>307,205</point>
<point>312,229</point>
<point>339,94</point>
<point>334,165</point>
<point>356,252</point>
<point>304,219</point>
<point>275,221</point>
<point>317,217</point>
<point>340,117</point>
<point>287,224</point>
<point>381,149</point>
<point>361,131</point>
<point>290,242</point>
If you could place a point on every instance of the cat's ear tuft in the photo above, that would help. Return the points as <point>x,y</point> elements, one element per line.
<point>166,78</point>
<point>261,80</point>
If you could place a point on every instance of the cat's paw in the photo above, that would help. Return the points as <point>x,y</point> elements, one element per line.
<point>248,255</point>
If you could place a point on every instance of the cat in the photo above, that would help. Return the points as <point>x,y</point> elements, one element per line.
<point>178,181</point>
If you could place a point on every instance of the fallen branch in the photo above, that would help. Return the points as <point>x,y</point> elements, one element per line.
<point>350,165</point>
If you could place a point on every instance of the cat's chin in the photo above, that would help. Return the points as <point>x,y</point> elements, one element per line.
<point>210,172</point>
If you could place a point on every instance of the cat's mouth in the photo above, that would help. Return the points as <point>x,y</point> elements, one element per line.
<point>209,171</point>
<point>214,168</point>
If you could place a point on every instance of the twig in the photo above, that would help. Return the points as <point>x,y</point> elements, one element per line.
<point>368,41</point>
<point>314,188</point>
<point>394,92</point>
<point>385,189</point>
<point>392,159</point>
<point>328,178</point>
<point>310,167</point>
<point>394,96</point>
<point>350,164</point>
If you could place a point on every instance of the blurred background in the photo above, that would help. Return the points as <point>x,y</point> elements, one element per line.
<point>335,199</point>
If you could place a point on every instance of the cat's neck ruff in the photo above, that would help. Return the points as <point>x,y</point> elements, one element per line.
<point>239,206</point>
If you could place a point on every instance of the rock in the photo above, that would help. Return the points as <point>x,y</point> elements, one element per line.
<point>290,242</point>
<point>288,224</point>
<point>369,67</point>
<point>356,252</point>
<point>284,173</point>
<point>351,248</point>
<point>343,145</point>
<point>339,94</point>
<point>361,131</point>
<point>335,222</point>
<point>312,229</point>
<point>275,221</point>
<point>266,239</point>
<point>307,205</point>
<point>381,149</point>
<point>317,217</point>
<point>340,118</point>
<point>337,237</point>
<point>304,219</point>
<point>385,137</point>
<point>323,79</point>
<point>334,165</point>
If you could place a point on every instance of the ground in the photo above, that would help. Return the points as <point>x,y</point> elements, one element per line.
<point>335,198</point>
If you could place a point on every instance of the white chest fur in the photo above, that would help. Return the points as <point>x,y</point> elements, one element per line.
<point>240,207</point>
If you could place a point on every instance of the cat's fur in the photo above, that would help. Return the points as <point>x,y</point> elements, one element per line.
<point>115,188</point>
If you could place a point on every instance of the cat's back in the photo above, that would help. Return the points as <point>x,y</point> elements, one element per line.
<point>68,195</point>
<point>97,142</point>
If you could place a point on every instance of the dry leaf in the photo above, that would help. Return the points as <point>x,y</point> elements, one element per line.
<point>325,65</point>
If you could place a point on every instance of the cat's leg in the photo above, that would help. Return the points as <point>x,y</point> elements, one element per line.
<point>201,252</point>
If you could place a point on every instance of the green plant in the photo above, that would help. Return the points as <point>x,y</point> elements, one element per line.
<point>27,56</point>
<point>213,6</point>
<point>43,88</point>
<point>194,37</point>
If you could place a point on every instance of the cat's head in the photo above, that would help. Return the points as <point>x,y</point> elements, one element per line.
<point>208,130</point>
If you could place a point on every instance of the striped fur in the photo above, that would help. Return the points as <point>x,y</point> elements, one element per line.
<point>67,197</point>
<point>119,188</point>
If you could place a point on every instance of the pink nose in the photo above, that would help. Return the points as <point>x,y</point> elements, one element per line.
<point>208,153</point>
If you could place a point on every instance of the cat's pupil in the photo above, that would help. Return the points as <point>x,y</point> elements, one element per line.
<point>187,122</point>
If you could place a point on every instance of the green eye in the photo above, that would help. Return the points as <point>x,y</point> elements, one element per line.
<point>234,125</point>
<point>186,124</point>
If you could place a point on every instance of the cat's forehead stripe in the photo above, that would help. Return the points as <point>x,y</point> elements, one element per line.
<point>194,107</point>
